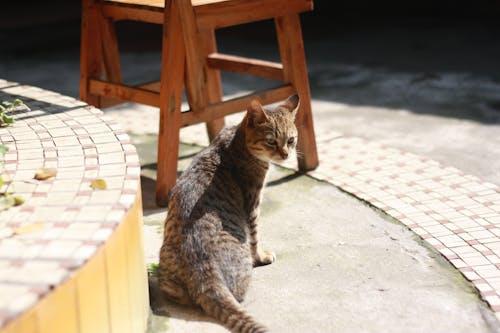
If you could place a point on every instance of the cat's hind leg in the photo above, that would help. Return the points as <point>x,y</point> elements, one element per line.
<point>168,279</point>
<point>235,264</point>
<point>174,291</point>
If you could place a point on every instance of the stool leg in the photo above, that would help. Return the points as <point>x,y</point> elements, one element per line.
<point>291,46</point>
<point>111,58</point>
<point>172,75</point>
<point>203,84</point>
<point>90,51</point>
<point>213,81</point>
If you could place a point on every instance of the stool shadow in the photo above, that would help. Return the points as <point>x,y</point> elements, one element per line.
<point>40,106</point>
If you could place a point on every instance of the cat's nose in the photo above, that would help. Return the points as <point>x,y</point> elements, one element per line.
<point>284,154</point>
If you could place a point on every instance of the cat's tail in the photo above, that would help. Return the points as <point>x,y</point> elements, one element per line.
<point>219,303</point>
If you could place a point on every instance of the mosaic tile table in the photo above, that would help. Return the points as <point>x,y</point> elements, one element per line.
<point>71,258</point>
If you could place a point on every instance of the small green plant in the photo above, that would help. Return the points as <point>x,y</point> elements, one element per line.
<point>7,200</point>
<point>3,150</point>
<point>6,108</point>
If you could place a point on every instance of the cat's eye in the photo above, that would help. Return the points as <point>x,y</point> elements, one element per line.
<point>271,142</point>
<point>291,141</point>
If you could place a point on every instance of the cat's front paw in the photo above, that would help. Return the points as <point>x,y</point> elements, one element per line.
<point>263,258</point>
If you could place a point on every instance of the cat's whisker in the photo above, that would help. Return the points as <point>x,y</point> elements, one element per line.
<point>299,153</point>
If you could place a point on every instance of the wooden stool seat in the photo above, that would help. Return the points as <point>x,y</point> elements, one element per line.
<point>190,60</point>
<point>209,13</point>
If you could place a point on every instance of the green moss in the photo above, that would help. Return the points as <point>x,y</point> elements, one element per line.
<point>153,269</point>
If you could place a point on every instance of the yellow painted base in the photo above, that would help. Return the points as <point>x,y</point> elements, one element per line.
<point>108,294</point>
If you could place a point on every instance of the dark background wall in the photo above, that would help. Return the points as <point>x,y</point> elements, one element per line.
<point>429,37</point>
<point>40,25</point>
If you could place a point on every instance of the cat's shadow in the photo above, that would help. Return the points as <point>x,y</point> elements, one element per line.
<point>162,306</point>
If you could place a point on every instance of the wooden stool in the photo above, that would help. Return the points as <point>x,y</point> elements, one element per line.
<point>190,60</point>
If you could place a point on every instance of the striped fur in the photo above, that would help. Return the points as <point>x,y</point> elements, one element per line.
<point>210,242</point>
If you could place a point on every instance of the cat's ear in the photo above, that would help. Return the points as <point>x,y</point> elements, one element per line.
<point>256,114</point>
<point>292,103</point>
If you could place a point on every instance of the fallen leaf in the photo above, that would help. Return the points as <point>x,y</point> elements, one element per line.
<point>45,173</point>
<point>28,228</point>
<point>98,184</point>
<point>18,200</point>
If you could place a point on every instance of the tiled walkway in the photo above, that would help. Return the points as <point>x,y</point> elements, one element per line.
<point>457,214</point>
<point>63,222</point>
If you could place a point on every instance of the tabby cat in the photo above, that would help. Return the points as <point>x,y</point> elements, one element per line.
<point>210,243</point>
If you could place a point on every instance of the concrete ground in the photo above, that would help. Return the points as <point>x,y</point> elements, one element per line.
<point>341,265</point>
